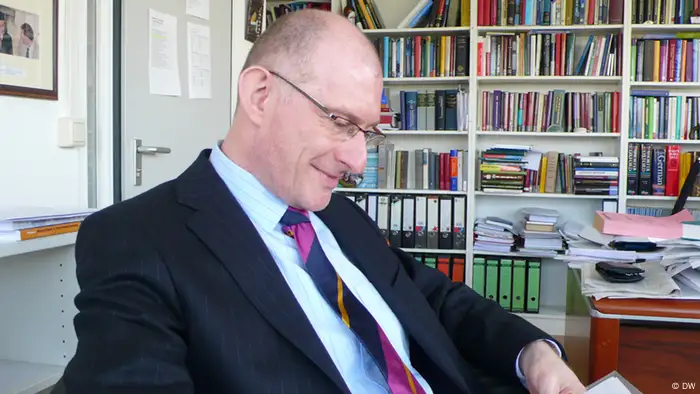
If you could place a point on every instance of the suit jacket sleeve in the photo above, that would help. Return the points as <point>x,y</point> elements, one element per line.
<point>128,327</point>
<point>486,335</point>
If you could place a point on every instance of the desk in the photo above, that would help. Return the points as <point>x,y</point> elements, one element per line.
<point>652,343</point>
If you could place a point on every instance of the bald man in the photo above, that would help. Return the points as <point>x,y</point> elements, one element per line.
<point>246,274</point>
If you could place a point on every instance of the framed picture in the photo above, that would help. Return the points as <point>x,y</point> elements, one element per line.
<point>29,48</point>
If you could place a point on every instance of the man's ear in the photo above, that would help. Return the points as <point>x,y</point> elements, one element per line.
<point>254,92</point>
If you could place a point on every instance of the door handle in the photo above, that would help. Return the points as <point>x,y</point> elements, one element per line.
<point>152,149</point>
<point>139,151</point>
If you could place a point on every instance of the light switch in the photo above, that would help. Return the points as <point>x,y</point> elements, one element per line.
<point>71,132</point>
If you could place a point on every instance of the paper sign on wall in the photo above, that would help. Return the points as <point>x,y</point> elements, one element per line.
<point>199,60</point>
<point>198,8</point>
<point>164,72</point>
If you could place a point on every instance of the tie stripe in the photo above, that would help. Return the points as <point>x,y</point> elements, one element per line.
<point>296,224</point>
<point>341,303</point>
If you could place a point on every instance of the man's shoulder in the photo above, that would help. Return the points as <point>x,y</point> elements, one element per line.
<point>158,202</point>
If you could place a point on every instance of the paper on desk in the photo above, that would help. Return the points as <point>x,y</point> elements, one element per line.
<point>657,283</point>
<point>612,383</point>
<point>609,386</point>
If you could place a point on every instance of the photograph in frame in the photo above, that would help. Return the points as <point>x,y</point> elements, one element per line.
<point>28,48</point>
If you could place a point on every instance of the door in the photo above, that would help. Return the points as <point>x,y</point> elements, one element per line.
<point>164,123</point>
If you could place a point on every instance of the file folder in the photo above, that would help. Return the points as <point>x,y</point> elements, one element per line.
<point>505,283</point>
<point>408,221</point>
<point>445,228</point>
<point>433,222</point>
<point>458,269</point>
<point>420,229</point>
<point>519,281</point>
<point>430,261</point>
<point>443,265</point>
<point>459,232</point>
<point>395,220</point>
<point>479,275</point>
<point>533,287</point>
<point>491,278</point>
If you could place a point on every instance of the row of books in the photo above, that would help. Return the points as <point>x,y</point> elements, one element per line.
<point>549,13</point>
<point>365,14</point>
<point>655,114</point>
<point>665,60</point>
<point>423,56</point>
<point>417,169</point>
<point>451,265</point>
<point>420,222</point>
<point>439,109</point>
<point>547,54</point>
<point>659,171</point>
<point>666,12</point>
<point>514,283</point>
<point>659,211</point>
<point>518,169</point>
<point>438,13</point>
<point>553,111</point>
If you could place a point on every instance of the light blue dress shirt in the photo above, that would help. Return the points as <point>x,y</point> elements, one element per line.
<point>349,356</point>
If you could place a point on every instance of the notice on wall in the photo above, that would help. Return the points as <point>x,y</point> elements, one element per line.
<point>198,8</point>
<point>199,60</point>
<point>164,72</point>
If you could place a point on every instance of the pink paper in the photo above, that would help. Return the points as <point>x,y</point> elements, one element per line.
<point>667,227</point>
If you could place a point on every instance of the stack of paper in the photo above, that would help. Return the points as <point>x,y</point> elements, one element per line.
<point>493,235</point>
<point>538,231</point>
<point>24,223</point>
<point>657,283</point>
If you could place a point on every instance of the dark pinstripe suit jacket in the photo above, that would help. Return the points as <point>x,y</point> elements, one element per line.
<point>180,295</point>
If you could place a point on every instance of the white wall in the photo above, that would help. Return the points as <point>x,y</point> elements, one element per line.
<point>33,169</point>
<point>239,46</point>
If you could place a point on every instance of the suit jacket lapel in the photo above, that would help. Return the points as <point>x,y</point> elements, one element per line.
<point>373,257</point>
<point>222,225</point>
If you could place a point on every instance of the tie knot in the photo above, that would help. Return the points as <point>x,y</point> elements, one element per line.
<point>294,216</point>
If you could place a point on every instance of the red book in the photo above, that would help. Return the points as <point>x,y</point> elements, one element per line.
<point>673,170</point>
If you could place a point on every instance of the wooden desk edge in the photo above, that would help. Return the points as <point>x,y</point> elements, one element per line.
<point>642,308</point>
<point>666,308</point>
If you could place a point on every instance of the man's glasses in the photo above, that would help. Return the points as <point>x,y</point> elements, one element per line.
<point>373,136</point>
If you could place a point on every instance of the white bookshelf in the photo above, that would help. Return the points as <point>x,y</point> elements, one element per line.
<point>37,286</point>
<point>580,208</point>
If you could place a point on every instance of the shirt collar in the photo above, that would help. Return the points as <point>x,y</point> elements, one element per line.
<point>262,207</point>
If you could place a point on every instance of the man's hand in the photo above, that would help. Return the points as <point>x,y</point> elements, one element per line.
<point>546,373</point>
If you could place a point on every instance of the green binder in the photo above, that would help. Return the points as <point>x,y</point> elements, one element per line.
<point>479,275</point>
<point>518,294</point>
<point>505,283</point>
<point>429,261</point>
<point>492,278</point>
<point>533,287</point>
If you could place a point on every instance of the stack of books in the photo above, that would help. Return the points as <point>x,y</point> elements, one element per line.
<point>503,168</point>
<point>493,235</point>
<point>596,175</point>
<point>538,233</point>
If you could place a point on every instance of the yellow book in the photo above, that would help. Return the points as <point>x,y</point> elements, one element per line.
<point>543,173</point>
<point>657,54</point>
<point>465,13</point>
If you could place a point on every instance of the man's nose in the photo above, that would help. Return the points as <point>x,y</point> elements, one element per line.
<point>353,154</point>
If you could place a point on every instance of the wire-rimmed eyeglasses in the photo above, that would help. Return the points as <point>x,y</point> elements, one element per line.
<point>373,136</point>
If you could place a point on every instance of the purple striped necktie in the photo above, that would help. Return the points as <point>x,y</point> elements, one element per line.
<point>296,224</point>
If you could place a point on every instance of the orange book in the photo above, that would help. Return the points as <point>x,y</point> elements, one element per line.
<point>46,231</point>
